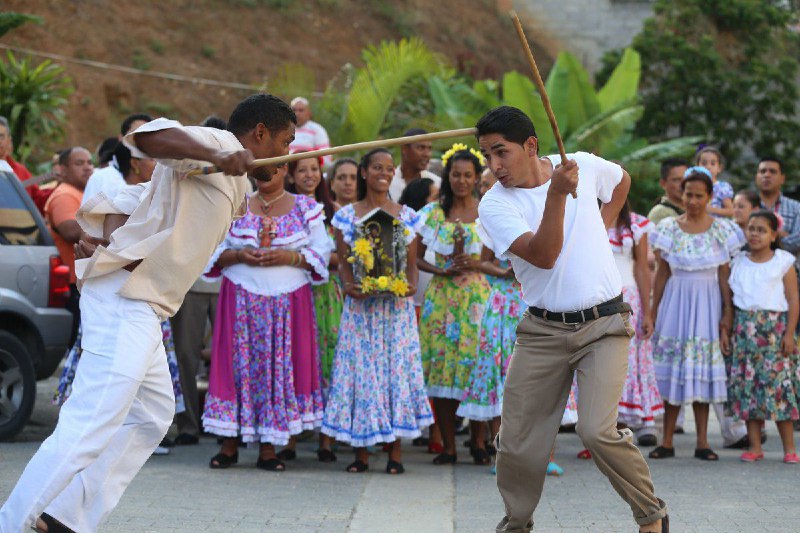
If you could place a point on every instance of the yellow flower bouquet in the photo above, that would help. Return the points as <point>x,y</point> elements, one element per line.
<point>379,254</point>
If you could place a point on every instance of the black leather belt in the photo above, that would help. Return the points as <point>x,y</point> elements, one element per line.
<point>611,307</point>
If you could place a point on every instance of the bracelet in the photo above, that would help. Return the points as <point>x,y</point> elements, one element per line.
<point>238,255</point>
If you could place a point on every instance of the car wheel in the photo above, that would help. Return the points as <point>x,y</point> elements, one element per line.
<point>17,385</point>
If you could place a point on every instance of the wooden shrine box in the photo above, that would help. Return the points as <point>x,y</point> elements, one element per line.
<point>387,236</point>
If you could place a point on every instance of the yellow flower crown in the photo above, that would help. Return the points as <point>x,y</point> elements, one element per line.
<point>458,147</point>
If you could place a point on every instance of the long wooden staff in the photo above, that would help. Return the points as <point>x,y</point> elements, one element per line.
<point>383,143</point>
<point>537,79</point>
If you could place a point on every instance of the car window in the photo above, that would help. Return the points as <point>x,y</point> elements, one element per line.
<point>17,225</point>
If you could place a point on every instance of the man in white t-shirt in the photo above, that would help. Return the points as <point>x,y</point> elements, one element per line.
<point>309,135</point>
<point>109,180</point>
<point>577,321</point>
<point>414,159</point>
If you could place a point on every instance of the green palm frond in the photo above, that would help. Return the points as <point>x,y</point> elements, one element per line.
<point>601,131</point>
<point>681,146</point>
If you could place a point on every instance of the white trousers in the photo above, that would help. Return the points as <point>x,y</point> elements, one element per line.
<point>120,408</point>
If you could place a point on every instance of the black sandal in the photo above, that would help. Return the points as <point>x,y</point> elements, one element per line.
<point>53,525</point>
<point>357,467</point>
<point>224,461</point>
<point>273,464</point>
<point>445,459</point>
<point>706,454</point>
<point>287,454</point>
<point>662,452</point>
<point>326,456</point>
<point>394,467</point>
<point>480,456</point>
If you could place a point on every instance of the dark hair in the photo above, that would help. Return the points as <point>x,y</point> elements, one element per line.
<point>123,156</point>
<point>361,180</point>
<point>414,131</point>
<point>265,109</point>
<point>446,191</point>
<point>332,172</point>
<point>63,157</point>
<point>772,220</point>
<point>514,125</point>
<point>701,177</point>
<point>751,196</point>
<point>213,121</point>
<point>709,150</point>
<point>624,217</point>
<point>416,194</point>
<point>772,159</point>
<point>126,124</point>
<point>106,150</point>
<point>669,164</point>
<point>321,194</point>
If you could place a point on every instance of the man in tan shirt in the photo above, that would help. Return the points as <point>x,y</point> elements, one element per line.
<point>160,237</point>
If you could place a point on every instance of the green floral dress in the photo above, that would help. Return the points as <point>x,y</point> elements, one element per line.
<point>328,309</point>
<point>452,311</point>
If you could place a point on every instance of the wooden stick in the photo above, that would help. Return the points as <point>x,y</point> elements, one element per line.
<point>384,143</point>
<point>537,79</point>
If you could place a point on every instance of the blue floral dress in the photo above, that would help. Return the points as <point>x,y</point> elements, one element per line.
<point>377,393</point>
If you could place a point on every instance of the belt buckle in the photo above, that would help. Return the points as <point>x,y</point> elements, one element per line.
<point>564,319</point>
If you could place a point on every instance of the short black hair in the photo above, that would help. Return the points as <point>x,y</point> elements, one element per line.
<point>669,164</point>
<point>416,193</point>
<point>510,122</point>
<point>361,179</point>
<point>261,108</point>
<point>213,121</point>
<point>63,156</point>
<point>106,150</point>
<point>702,177</point>
<point>772,159</point>
<point>414,131</point>
<point>126,124</point>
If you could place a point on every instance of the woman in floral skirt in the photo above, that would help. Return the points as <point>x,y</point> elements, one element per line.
<point>264,383</point>
<point>764,381</point>
<point>455,299</point>
<point>377,392</point>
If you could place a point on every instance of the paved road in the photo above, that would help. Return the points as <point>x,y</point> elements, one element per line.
<point>179,493</point>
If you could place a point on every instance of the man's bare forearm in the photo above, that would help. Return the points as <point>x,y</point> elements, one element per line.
<point>112,223</point>
<point>545,246</point>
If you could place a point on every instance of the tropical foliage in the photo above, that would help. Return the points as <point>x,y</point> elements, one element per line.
<point>33,98</point>
<point>10,20</point>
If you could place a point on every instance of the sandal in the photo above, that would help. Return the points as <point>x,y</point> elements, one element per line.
<point>273,464</point>
<point>480,456</point>
<point>224,461</point>
<point>394,467</point>
<point>326,456</point>
<point>53,525</point>
<point>287,454</point>
<point>585,454</point>
<point>750,457</point>
<point>706,454</point>
<point>357,467</point>
<point>445,459</point>
<point>662,452</point>
<point>791,459</point>
<point>554,470</point>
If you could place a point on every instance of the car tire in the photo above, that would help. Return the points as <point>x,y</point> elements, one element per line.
<point>17,386</point>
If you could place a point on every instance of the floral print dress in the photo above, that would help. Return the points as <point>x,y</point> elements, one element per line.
<point>453,309</point>
<point>377,392</point>
<point>763,384</point>
<point>686,352</point>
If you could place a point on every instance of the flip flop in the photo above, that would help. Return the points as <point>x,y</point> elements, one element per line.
<point>357,467</point>
<point>706,454</point>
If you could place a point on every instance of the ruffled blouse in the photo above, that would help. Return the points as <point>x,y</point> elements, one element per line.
<point>345,220</point>
<point>622,242</point>
<point>437,234</point>
<point>697,251</point>
<point>302,229</point>
<point>759,286</point>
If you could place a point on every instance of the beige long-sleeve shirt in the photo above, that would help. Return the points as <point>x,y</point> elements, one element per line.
<point>175,222</point>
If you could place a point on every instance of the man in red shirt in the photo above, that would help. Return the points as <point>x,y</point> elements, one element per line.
<point>6,149</point>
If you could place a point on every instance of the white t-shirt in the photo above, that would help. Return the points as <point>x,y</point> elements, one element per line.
<point>398,184</point>
<point>311,136</point>
<point>585,273</point>
<point>107,180</point>
<point>759,286</point>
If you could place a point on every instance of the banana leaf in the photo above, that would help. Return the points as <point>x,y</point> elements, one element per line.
<point>572,96</point>
<point>519,91</point>
<point>623,84</point>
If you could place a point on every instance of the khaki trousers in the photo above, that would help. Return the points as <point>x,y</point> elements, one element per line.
<point>536,390</point>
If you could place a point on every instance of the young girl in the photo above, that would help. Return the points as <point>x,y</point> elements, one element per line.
<point>764,372</point>
<point>722,198</point>
<point>744,203</point>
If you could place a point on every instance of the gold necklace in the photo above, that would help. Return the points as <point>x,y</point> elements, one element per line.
<point>266,205</point>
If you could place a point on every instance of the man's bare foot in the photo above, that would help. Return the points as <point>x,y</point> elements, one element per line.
<point>653,527</point>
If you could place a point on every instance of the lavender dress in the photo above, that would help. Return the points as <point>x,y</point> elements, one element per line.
<point>688,362</point>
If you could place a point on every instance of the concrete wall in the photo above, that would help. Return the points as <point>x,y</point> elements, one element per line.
<point>586,28</point>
